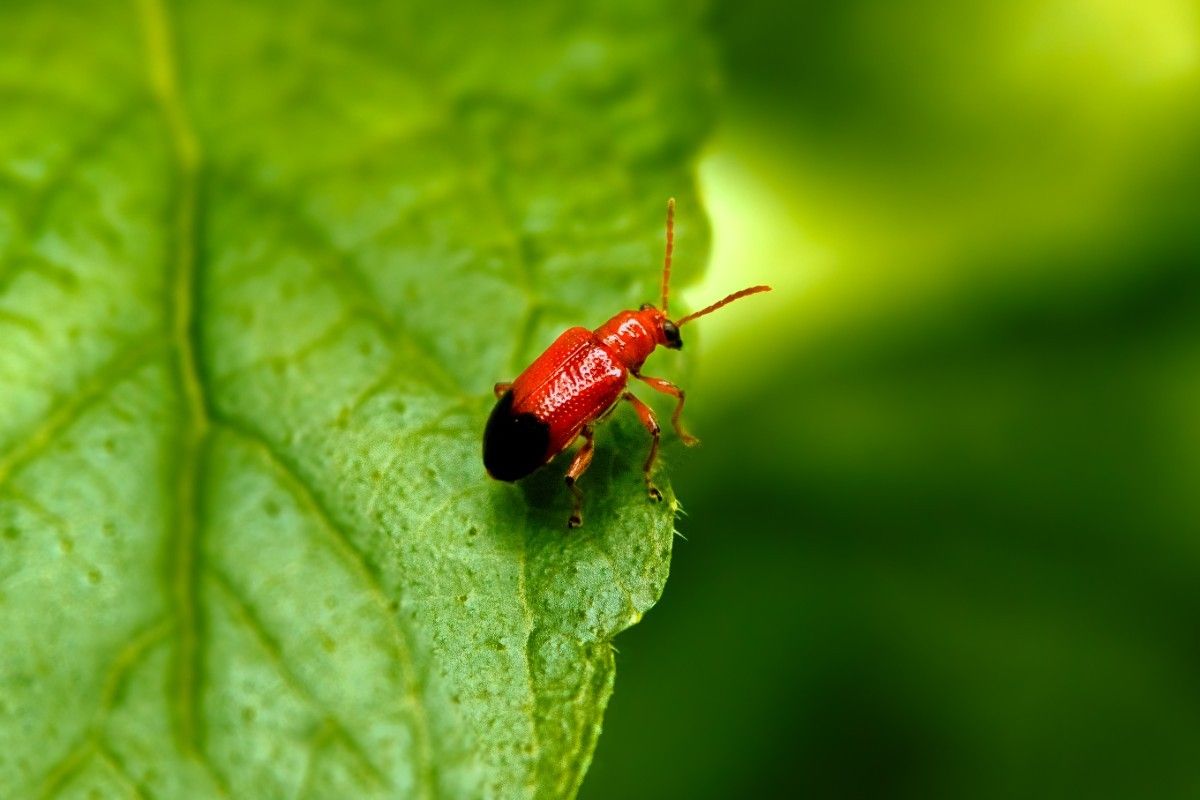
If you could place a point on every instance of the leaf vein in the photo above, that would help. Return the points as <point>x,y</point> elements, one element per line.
<point>67,412</point>
<point>307,497</point>
<point>110,760</point>
<point>183,298</point>
<point>245,614</point>
<point>342,269</point>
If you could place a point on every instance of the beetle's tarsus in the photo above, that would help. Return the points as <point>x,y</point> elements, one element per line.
<point>576,518</point>
<point>655,494</point>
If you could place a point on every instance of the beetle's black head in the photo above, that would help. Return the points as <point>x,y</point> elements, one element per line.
<point>671,335</point>
<point>664,331</point>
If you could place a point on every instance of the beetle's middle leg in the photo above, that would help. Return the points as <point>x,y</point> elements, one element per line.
<point>583,459</point>
<point>650,422</point>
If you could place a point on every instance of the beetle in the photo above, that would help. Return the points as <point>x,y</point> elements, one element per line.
<point>578,380</point>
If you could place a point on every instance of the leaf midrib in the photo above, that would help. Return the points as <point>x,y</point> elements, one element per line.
<point>182,298</point>
<point>201,418</point>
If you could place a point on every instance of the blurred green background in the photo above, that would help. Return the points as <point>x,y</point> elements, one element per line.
<point>943,536</point>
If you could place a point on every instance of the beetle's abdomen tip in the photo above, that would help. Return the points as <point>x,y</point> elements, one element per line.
<point>514,445</point>
<point>494,476</point>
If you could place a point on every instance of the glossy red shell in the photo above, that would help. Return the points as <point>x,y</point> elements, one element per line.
<point>572,383</point>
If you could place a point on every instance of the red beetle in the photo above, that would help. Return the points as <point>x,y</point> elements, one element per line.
<point>577,381</point>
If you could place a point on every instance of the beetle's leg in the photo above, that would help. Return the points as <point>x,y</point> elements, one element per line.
<point>666,387</point>
<point>650,422</point>
<point>500,388</point>
<point>582,459</point>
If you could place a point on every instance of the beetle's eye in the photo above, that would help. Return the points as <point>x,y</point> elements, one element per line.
<point>671,334</point>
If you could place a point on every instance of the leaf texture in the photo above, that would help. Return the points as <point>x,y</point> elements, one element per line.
<point>260,264</point>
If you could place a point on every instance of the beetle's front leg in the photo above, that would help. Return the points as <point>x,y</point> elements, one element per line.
<point>500,388</point>
<point>650,422</point>
<point>578,466</point>
<point>666,387</point>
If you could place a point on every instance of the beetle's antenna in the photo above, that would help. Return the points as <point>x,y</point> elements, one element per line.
<point>724,302</point>
<point>670,250</point>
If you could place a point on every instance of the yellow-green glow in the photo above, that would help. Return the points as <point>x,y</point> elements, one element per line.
<point>759,236</point>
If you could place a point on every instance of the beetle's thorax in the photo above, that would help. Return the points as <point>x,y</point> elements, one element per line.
<point>631,336</point>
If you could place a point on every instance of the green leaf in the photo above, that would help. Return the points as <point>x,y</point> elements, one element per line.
<point>260,264</point>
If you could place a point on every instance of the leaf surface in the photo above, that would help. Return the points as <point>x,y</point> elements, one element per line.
<point>259,266</point>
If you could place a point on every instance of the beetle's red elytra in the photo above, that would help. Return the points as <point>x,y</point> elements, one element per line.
<point>578,380</point>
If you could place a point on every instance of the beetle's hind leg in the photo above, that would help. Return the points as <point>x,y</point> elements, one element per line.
<point>579,465</point>
<point>650,422</point>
